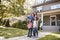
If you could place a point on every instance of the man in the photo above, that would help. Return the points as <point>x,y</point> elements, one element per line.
<point>30,17</point>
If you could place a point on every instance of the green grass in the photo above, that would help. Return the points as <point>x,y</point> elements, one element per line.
<point>56,32</point>
<point>49,37</point>
<point>12,32</point>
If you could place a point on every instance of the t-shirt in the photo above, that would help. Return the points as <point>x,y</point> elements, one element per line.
<point>30,17</point>
<point>29,25</point>
<point>35,23</point>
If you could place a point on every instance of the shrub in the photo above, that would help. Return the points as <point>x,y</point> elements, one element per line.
<point>39,24</point>
<point>20,24</point>
<point>6,23</point>
<point>14,25</point>
<point>24,24</point>
<point>0,21</point>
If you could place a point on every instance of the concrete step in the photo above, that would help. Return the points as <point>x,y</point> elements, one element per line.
<point>51,28</point>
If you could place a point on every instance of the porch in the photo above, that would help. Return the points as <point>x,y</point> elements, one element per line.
<point>50,20</point>
<point>51,28</point>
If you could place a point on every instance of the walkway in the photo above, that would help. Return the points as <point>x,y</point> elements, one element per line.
<point>41,34</point>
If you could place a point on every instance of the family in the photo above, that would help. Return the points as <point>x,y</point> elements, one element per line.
<point>32,24</point>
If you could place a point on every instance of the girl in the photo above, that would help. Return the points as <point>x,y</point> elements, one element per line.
<point>29,25</point>
<point>35,27</point>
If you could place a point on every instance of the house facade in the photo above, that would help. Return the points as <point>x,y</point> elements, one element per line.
<point>49,12</point>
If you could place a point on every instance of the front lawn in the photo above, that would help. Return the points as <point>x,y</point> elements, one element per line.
<point>56,32</point>
<point>49,37</point>
<point>12,32</point>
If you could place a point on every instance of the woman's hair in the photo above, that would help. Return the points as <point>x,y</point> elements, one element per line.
<point>35,13</point>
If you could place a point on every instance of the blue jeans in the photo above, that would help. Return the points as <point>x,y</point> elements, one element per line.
<point>29,32</point>
<point>35,31</point>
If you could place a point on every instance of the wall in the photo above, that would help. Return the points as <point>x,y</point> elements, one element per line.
<point>58,20</point>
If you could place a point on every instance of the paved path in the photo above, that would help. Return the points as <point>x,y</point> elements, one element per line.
<point>41,34</point>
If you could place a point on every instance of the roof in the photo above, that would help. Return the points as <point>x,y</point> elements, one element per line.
<point>51,11</point>
<point>46,3</point>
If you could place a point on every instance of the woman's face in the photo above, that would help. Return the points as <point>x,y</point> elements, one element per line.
<point>35,13</point>
<point>32,14</point>
<point>35,18</point>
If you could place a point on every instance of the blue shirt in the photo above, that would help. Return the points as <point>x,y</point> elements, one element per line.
<point>31,17</point>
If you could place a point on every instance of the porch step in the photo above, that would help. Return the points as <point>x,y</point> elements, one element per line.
<point>51,28</point>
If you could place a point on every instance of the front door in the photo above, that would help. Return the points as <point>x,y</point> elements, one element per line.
<point>53,20</point>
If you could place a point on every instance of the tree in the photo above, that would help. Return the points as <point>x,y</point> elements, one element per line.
<point>16,7</point>
<point>2,10</point>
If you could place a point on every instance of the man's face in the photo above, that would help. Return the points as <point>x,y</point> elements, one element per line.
<point>31,14</point>
<point>29,19</point>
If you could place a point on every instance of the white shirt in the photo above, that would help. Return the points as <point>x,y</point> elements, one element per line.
<point>35,23</point>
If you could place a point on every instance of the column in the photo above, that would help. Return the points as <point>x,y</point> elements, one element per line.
<point>41,24</point>
<point>50,20</point>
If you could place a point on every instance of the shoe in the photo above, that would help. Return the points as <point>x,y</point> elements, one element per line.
<point>28,36</point>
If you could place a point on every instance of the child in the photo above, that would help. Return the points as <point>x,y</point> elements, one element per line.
<point>29,25</point>
<point>35,27</point>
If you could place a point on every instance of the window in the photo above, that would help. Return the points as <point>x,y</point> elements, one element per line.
<point>39,8</point>
<point>55,6</point>
<point>48,0</point>
<point>39,1</point>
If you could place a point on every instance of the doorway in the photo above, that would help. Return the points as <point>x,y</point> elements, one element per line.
<point>53,21</point>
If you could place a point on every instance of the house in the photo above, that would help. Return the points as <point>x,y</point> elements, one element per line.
<point>49,12</point>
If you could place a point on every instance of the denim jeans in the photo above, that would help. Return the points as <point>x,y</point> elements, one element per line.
<point>35,31</point>
<point>29,32</point>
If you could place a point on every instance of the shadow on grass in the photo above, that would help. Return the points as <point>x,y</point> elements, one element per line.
<point>49,37</point>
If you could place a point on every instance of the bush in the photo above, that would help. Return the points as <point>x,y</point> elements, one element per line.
<point>14,25</point>
<point>39,24</point>
<point>0,21</point>
<point>20,24</point>
<point>6,23</point>
<point>24,24</point>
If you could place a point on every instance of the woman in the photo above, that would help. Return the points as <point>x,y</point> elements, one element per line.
<point>35,24</point>
<point>35,27</point>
